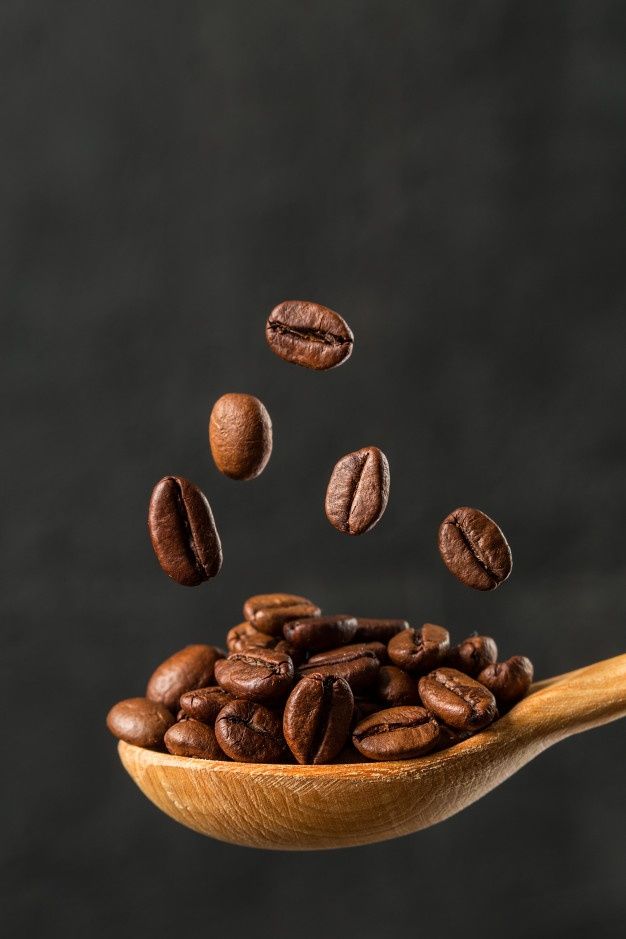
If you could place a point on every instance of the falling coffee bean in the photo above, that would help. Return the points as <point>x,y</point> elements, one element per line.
<point>395,687</point>
<point>398,733</point>
<point>474,549</point>
<point>317,717</point>
<point>315,633</point>
<point>378,630</point>
<point>508,681</point>
<point>240,436</point>
<point>193,738</point>
<point>457,700</point>
<point>139,721</point>
<point>261,674</point>
<point>190,668</point>
<point>250,732</point>
<point>183,532</point>
<point>358,491</point>
<point>268,612</point>
<point>472,655</point>
<point>309,334</point>
<point>204,704</point>
<point>419,650</point>
<point>359,668</point>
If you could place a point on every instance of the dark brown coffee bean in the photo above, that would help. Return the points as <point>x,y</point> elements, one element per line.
<point>190,668</point>
<point>240,435</point>
<point>260,674</point>
<point>399,733</point>
<point>472,655</point>
<point>419,650</point>
<point>474,549</point>
<point>193,738</point>
<point>509,681</point>
<point>378,630</point>
<point>316,722</point>
<point>268,612</point>
<point>378,648</point>
<point>139,721</point>
<point>250,733</point>
<point>395,687</point>
<point>316,633</point>
<point>359,668</point>
<point>245,635</point>
<point>457,700</point>
<point>204,704</point>
<point>183,532</point>
<point>358,491</point>
<point>309,334</point>
<point>297,656</point>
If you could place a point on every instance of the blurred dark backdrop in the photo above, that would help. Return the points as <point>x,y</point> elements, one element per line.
<point>451,177</point>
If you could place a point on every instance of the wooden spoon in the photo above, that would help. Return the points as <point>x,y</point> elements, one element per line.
<point>338,805</point>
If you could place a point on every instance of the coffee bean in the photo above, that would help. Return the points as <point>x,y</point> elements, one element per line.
<point>193,738</point>
<point>358,491</point>
<point>457,700</point>
<point>316,722</point>
<point>186,670</point>
<point>419,650</point>
<point>378,648</point>
<point>316,633</point>
<point>204,704</point>
<point>309,334</point>
<point>394,687</point>
<point>358,668</point>
<point>508,681</point>
<point>398,733</point>
<point>474,549</point>
<point>250,733</point>
<point>245,635</point>
<point>472,655</point>
<point>240,436</point>
<point>139,721</point>
<point>378,630</point>
<point>183,532</point>
<point>268,612</point>
<point>261,674</point>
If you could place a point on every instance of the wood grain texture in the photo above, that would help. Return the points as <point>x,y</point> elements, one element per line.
<point>313,807</point>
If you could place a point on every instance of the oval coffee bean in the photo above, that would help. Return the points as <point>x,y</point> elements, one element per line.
<point>509,681</point>
<point>317,717</point>
<point>190,668</point>
<point>261,674</point>
<point>359,668</point>
<point>250,733</point>
<point>193,738</point>
<point>457,700</point>
<point>395,687</point>
<point>139,721</point>
<point>183,532</point>
<point>316,633</point>
<point>268,612</point>
<point>474,549</point>
<point>204,704</point>
<point>358,491</point>
<point>378,630</point>
<point>419,650</point>
<point>472,655</point>
<point>244,635</point>
<point>399,733</point>
<point>309,334</point>
<point>240,436</point>
<point>378,648</point>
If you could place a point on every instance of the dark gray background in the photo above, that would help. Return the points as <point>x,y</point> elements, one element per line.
<point>451,178</point>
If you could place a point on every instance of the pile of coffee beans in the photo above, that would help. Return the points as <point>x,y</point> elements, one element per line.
<point>296,686</point>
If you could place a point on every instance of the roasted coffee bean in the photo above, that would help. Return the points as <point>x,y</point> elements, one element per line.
<point>457,700</point>
<point>268,612</point>
<point>183,532</point>
<point>309,334</point>
<point>316,633</point>
<point>508,681</point>
<point>139,721</point>
<point>245,635</point>
<point>190,668</point>
<point>297,656</point>
<point>260,674</point>
<point>378,648</point>
<point>378,630</point>
<point>472,655</point>
<point>250,733</point>
<point>358,491</point>
<point>419,650</point>
<point>474,549</point>
<point>359,668</point>
<point>193,738</point>
<point>240,436</point>
<point>399,733</point>
<point>204,704</point>
<point>317,717</point>
<point>395,687</point>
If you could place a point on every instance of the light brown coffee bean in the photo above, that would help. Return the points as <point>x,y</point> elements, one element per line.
<point>309,334</point>
<point>472,655</point>
<point>261,674</point>
<point>204,704</point>
<point>268,612</point>
<point>398,733</point>
<point>509,681</point>
<point>317,717</point>
<point>419,650</point>
<point>190,668</point>
<point>240,436</point>
<point>193,738</point>
<point>358,491</point>
<point>139,721</point>
<point>457,700</point>
<point>474,549</point>
<point>244,635</point>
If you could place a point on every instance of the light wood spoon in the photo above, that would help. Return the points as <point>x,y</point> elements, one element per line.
<point>338,805</point>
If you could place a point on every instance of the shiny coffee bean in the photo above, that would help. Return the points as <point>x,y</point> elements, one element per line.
<point>240,436</point>
<point>395,687</point>
<point>358,491</point>
<point>139,721</point>
<point>378,630</point>
<point>472,655</point>
<point>193,738</point>
<point>378,648</point>
<point>316,721</point>
<point>474,549</point>
<point>508,681</point>
<point>316,633</point>
<point>183,532</point>
<point>457,700</point>
<point>359,668</point>
<point>250,732</point>
<point>268,612</point>
<point>419,650</point>
<point>261,674</point>
<point>244,635</point>
<point>190,668</point>
<point>308,334</point>
<point>398,733</point>
<point>204,704</point>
